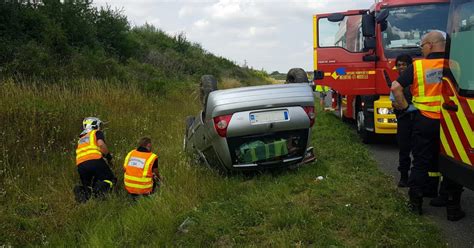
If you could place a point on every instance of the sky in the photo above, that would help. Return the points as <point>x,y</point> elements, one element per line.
<point>273,35</point>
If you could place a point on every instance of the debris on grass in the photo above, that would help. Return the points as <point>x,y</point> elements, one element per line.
<point>184,227</point>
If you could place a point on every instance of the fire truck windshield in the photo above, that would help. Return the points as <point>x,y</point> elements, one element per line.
<point>407,24</point>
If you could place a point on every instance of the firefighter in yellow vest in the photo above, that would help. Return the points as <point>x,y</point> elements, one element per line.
<point>425,77</point>
<point>96,176</point>
<point>141,170</point>
<point>323,90</point>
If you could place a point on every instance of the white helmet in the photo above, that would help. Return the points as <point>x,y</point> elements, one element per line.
<point>91,123</point>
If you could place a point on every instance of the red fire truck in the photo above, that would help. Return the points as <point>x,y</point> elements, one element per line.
<point>457,119</point>
<point>355,51</point>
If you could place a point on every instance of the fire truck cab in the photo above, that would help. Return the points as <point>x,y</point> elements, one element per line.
<point>355,51</point>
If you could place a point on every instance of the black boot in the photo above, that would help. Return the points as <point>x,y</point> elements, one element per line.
<point>415,204</point>
<point>81,194</point>
<point>403,183</point>
<point>453,207</point>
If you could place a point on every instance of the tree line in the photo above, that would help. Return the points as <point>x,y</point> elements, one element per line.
<point>53,40</point>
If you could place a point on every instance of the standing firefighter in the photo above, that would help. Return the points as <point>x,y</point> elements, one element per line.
<point>323,92</point>
<point>404,124</point>
<point>96,176</point>
<point>424,78</point>
<point>141,170</point>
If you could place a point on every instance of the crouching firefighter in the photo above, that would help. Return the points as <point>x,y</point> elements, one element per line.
<point>91,154</point>
<point>141,176</point>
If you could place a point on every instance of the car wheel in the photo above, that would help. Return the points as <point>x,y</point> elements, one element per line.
<point>296,75</point>
<point>188,123</point>
<point>208,84</point>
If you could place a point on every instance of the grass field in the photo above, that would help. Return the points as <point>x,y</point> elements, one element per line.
<point>354,205</point>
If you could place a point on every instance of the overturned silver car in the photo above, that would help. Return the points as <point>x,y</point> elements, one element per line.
<point>252,127</point>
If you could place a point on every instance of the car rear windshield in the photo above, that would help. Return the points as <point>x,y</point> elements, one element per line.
<point>268,147</point>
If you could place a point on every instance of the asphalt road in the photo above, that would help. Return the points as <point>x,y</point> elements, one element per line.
<point>457,234</point>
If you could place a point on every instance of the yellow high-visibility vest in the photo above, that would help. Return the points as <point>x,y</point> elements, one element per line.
<point>138,177</point>
<point>87,148</point>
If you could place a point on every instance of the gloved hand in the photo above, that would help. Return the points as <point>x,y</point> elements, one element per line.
<point>108,157</point>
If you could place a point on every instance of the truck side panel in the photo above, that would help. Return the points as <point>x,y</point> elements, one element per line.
<point>457,135</point>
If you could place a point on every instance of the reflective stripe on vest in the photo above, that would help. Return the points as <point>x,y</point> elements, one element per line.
<point>134,188</point>
<point>87,148</point>
<point>426,87</point>
<point>138,172</point>
<point>138,179</point>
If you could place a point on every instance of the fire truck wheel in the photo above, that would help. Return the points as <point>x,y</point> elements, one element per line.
<point>296,75</point>
<point>341,111</point>
<point>365,135</point>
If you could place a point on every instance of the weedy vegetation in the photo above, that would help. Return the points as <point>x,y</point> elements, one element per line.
<point>71,60</point>
<point>353,205</point>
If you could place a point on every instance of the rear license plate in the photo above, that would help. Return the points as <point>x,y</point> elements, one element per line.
<point>269,116</point>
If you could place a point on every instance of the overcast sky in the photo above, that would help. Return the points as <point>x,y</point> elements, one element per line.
<point>273,35</point>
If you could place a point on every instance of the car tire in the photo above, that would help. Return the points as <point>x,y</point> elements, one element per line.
<point>296,75</point>
<point>207,85</point>
<point>188,123</point>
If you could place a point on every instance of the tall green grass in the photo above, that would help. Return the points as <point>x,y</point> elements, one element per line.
<point>354,205</point>
<point>40,125</point>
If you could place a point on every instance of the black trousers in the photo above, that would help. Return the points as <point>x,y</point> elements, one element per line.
<point>425,155</point>
<point>405,123</point>
<point>93,171</point>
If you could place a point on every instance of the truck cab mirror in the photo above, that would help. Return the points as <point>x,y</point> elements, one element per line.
<point>382,16</point>
<point>368,25</point>
<point>336,17</point>
<point>369,43</point>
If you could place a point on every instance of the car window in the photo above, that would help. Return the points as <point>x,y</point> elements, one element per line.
<point>346,33</point>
